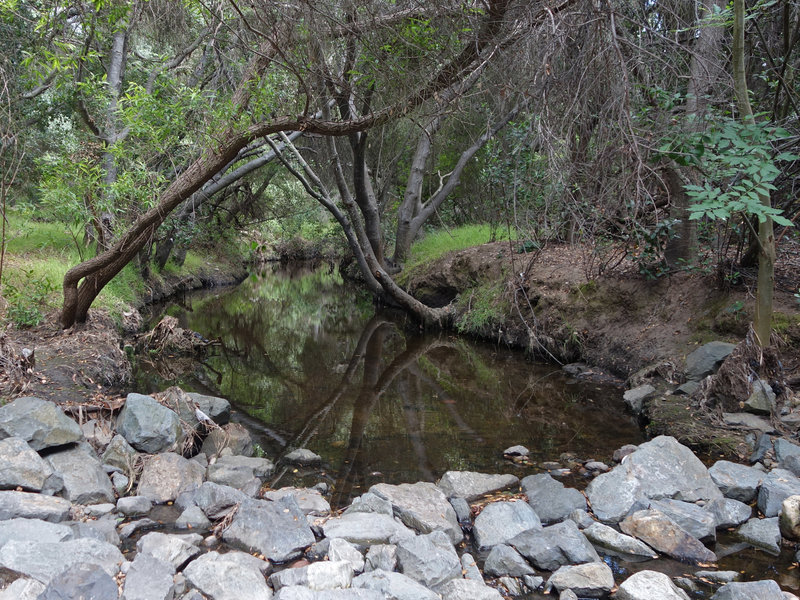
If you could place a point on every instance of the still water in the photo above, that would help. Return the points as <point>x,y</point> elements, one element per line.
<point>308,363</point>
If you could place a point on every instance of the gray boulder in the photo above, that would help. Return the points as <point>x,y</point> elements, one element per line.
<point>784,449</point>
<point>468,589</point>
<point>39,422</point>
<point>44,560</point>
<point>660,468</point>
<point>778,485</point>
<point>85,480</point>
<point>23,589</point>
<point>323,575</point>
<point>471,486</point>
<point>634,399</point>
<point>309,500</point>
<point>590,580</point>
<point>21,467</point>
<point>370,503</point>
<point>693,519</point>
<point>789,519</point>
<point>120,454</point>
<point>761,400</point>
<point>276,530</point>
<point>84,582</point>
<point>707,359</point>
<point>233,436</point>
<point>554,546</point>
<point>736,481</point>
<point>302,456</point>
<point>764,534</point>
<point>193,518</point>
<point>498,522</point>
<point>239,471</point>
<point>342,550</point>
<point>218,409</point>
<point>132,506</point>
<point>421,506</point>
<point>751,590</point>
<point>104,530</point>
<point>380,557</point>
<point>298,592</point>
<point>503,561</point>
<point>607,538</point>
<point>224,577</point>
<point>33,530</point>
<point>366,529</point>
<point>429,559</point>
<point>166,475</point>
<point>394,586</point>
<point>649,585</point>
<point>175,550</point>
<point>26,505</point>
<point>728,512</point>
<point>663,535</point>
<point>213,499</point>
<point>550,499</point>
<point>149,579</point>
<point>147,425</point>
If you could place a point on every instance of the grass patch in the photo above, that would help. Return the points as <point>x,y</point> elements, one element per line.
<point>481,309</point>
<point>436,244</point>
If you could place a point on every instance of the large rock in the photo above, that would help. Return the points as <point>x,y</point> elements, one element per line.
<point>468,589</point>
<point>608,538</point>
<point>634,398</point>
<point>421,506</point>
<point>498,522</point>
<point>394,586</point>
<point>764,534</point>
<point>550,499</point>
<point>213,499</point>
<point>39,422</point>
<point>147,425</point>
<point>790,518</point>
<point>33,530</point>
<point>784,449</point>
<point>233,436</point>
<point>660,468</point>
<point>44,560</point>
<point>342,550</point>
<point>82,582</point>
<point>166,475</point>
<point>649,585</point>
<point>366,528</point>
<point>309,500</point>
<point>761,400</point>
<point>778,485</point>
<point>590,580</point>
<point>662,534</point>
<point>21,467</point>
<point>751,590</point>
<point>25,505</point>
<point>471,486</point>
<point>554,546</point>
<point>149,579</point>
<point>226,577</point>
<point>428,559</point>
<point>174,550</point>
<point>728,512</point>
<point>736,481</point>
<point>85,480</point>
<point>322,575</point>
<point>239,471</point>
<point>120,454</point>
<point>299,592</point>
<point>505,561</point>
<point>23,589</point>
<point>707,359</point>
<point>277,530</point>
<point>693,519</point>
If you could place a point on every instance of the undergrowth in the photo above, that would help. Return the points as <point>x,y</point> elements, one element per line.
<point>436,244</point>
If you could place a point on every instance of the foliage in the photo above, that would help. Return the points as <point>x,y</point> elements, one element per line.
<point>436,244</point>
<point>481,309</point>
<point>25,303</point>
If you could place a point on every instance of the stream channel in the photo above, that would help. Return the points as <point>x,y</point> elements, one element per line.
<point>307,362</point>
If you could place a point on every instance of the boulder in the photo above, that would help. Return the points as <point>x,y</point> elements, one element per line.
<point>707,359</point>
<point>26,505</point>
<point>778,485</point>
<point>503,561</point>
<point>784,449</point>
<point>193,518</point>
<point>298,592</point>
<point>605,537</point>
<point>218,409</point>
<point>761,400</point>
<point>45,560</point>
<point>764,534</point>
<point>471,486</point>
<point>693,519</point>
<point>634,399</point>
<point>166,475</point>
<point>309,500</point>
<point>21,467</point>
<point>120,454</point>
<point>421,506</point>
<point>33,530</point>
<point>39,422</point>
<point>227,577</point>
<point>365,528</point>
<point>751,590</point>
<point>175,550</point>
<point>233,436</point>
<point>394,586</point>
<point>147,425</point>
<point>213,499</point>
<point>468,589</point>
<point>104,530</point>
<point>239,471</point>
<point>554,546</point>
<point>649,585</point>
<point>302,456</point>
<point>728,512</point>
<point>370,503</point>
<point>132,506</point>
<point>736,481</point>
<point>660,468</point>
<point>429,559</point>
<point>550,499</point>
<point>323,575</point>
<point>498,522</point>
<point>590,580</point>
<point>789,520</point>
<point>84,582</point>
<point>277,530</point>
<point>663,535</point>
<point>342,550</point>
<point>381,557</point>
<point>85,480</point>
<point>148,579</point>
<point>23,589</point>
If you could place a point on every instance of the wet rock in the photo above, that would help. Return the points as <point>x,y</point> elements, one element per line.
<point>761,400</point>
<point>174,550</point>
<point>429,559</point>
<point>533,582</point>
<point>39,422</point>
<point>33,530</point>
<point>595,466</point>
<point>605,537</point>
<point>23,589</point>
<point>728,512</point>
<point>323,575</point>
<point>394,586</point>
<point>634,399</point>
<point>239,471</point>
<point>233,436</point>
<point>518,451</point>
<point>751,590</point>
<point>86,582</point>
<point>216,500</point>
<point>590,580</point>
<point>789,519</point>
<point>649,585</point>
<point>133,527</point>
<point>302,456</point>
<point>513,586</point>
<point>43,560</point>
<point>276,530</point>
<point>498,522</point>
<point>26,505</point>
<point>463,511</point>
<point>226,577</point>
<point>166,475</point>
<point>660,468</point>
<point>551,501</point>
<point>85,480</point>
<point>660,533</point>
<point>364,528</point>
<point>736,481</point>
<point>147,425</point>
<point>693,519</point>
<point>469,567</point>
<point>778,485</point>
<point>468,589</point>
<point>370,503</point>
<point>764,534</point>
<point>342,550</point>
<point>707,359</point>
<point>471,486</point>
<point>381,557</point>
<point>218,409</point>
<point>21,467</point>
<point>131,506</point>
<point>581,518</point>
<point>149,579</point>
<point>309,500</point>
<point>554,546</point>
<point>120,454</point>
<point>504,560</point>
<point>718,577</point>
<point>421,506</point>
<point>193,518</point>
<point>621,453</point>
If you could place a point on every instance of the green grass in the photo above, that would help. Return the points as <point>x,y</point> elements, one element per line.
<point>436,244</point>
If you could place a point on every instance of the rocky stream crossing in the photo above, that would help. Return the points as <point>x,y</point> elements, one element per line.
<point>166,501</point>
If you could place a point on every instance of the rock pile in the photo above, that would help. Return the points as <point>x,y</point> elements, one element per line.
<point>71,500</point>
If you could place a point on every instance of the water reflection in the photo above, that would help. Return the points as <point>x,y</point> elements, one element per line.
<point>308,363</point>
